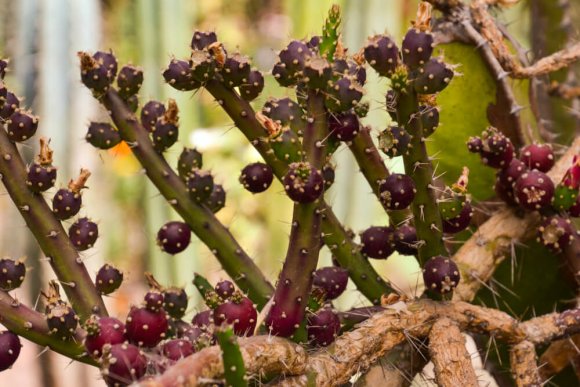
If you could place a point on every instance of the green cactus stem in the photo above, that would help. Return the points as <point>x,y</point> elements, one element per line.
<point>234,369</point>
<point>202,284</point>
<point>347,253</point>
<point>373,169</point>
<point>32,326</point>
<point>330,33</point>
<point>48,231</point>
<point>201,220</point>
<point>418,165</point>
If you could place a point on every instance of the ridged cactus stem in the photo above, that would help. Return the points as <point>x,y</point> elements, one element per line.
<point>418,165</point>
<point>234,369</point>
<point>330,33</point>
<point>32,326</point>
<point>50,234</point>
<point>201,284</point>
<point>373,169</point>
<point>201,220</point>
<point>365,277</point>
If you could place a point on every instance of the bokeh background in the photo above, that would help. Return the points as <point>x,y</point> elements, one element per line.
<point>42,38</point>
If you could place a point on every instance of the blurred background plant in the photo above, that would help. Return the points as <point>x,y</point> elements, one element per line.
<point>42,38</point>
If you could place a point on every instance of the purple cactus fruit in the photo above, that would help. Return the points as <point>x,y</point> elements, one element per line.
<point>352,68</point>
<point>429,119</point>
<point>253,87</point>
<point>21,126</point>
<point>377,242</point>
<point>332,280</point>
<point>123,364</point>
<point>204,320</point>
<point>102,135</point>
<point>12,274</point>
<point>129,81</point>
<point>303,184</point>
<point>256,177</point>
<point>322,327</point>
<point>62,320</point>
<point>9,349</point>
<point>294,56</point>
<point>240,312</point>
<point>225,289</point>
<point>382,54</point>
<point>108,279</point>
<point>328,175</point>
<point>189,160</point>
<point>534,190</point>
<point>95,74</point>
<point>343,126</point>
<point>417,47</point>
<point>166,131</point>
<point>460,222</point>
<point>11,104</point>
<point>175,302</point>
<point>202,66</point>
<point>285,112</point>
<point>203,39</point>
<point>200,185</point>
<point>508,175</point>
<point>538,156</point>
<point>397,191</point>
<point>67,202</point>
<point>178,75</point>
<point>174,237</point>
<point>146,328</point>
<point>283,76</point>
<point>395,141</point>
<point>83,234</point>
<point>441,274</point>
<point>574,211</point>
<point>317,73</point>
<point>41,174</point>
<point>236,70</point>
<point>151,112</point>
<point>475,144</point>
<point>153,300</point>
<point>432,77</point>
<point>314,42</point>
<point>556,232</point>
<point>405,240</point>
<point>102,331</point>
<point>177,349</point>
<point>217,199</point>
<point>108,61</point>
<point>495,149</point>
<point>344,94</point>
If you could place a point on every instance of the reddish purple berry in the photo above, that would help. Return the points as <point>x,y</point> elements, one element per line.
<point>217,199</point>
<point>429,119</point>
<point>460,222</point>
<point>174,237</point>
<point>202,66</point>
<point>397,191</point>
<point>534,190</point>
<point>508,175</point>
<point>395,141</point>
<point>203,39</point>
<point>405,240</point>
<point>9,349</point>
<point>256,177</point>
<point>302,183</point>
<point>332,280</point>
<point>240,312</point>
<point>328,175</point>
<point>102,135</point>
<point>129,81</point>
<point>123,364</point>
<point>323,327</point>
<point>11,104</point>
<point>343,126</point>
<point>253,87</point>
<point>556,233</point>
<point>166,130</point>
<point>200,185</point>
<point>102,331</point>
<point>41,174</point>
<point>225,289</point>
<point>177,349</point>
<point>21,126</point>
<point>151,112</point>
<point>382,54</point>
<point>317,72</point>
<point>440,274</point>
<point>108,279</point>
<point>283,76</point>
<point>83,234</point>
<point>12,274</point>
<point>432,77</point>
<point>343,94</point>
<point>203,320</point>
<point>178,75</point>
<point>294,56</point>
<point>189,160</point>
<point>108,61</point>
<point>67,202</point>
<point>284,111</point>
<point>377,242</point>
<point>95,74</point>
<point>146,328</point>
<point>574,211</point>
<point>153,300</point>
<point>538,156</point>
<point>175,302</point>
<point>417,47</point>
<point>236,70</point>
<point>62,320</point>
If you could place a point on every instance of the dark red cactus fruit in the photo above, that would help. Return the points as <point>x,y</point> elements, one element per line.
<point>496,149</point>
<point>108,61</point>
<point>67,201</point>
<point>352,68</point>
<point>508,175</point>
<point>186,330</point>
<point>556,232</point>
<point>12,274</point>
<point>395,141</point>
<point>202,66</point>
<point>332,280</point>
<point>225,289</point>
<point>282,75</point>
<point>256,177</point>
<point>460,222</point>
<point>294,57</point>
<point>505,192</point>
<point>95,75</point>
<point>102,331</point>
<point>189,160</point>
<point>534,190</point>
<point>129,81</point>
<point>317,72</point>
<point>174,237</point>
<point>302,183</point>
<point>203,39</point>
<point>343,94</point>
<point>9,349</point>
<point>343,126</point>
<point>21,126</point>
<point>166,131</point>
<point>328,175</point>
<point>240,312</point>
<point>108,279</point>
<point>41,174</point>
<point>440,274</point>
<point>177,349</point>
<point>314,42</point>
<point>123,364</point>
<point>153,300</point>
<point>574,211</point>
<point>429,119</point>
<point>253,87</point>
<point>83,233</point>
<point>62,320</point>
<point>417,47</point>
<point>475,144</point>
<point>397,191</point>
<point>102,135</point>
<point>217,199</point>
<point>178,75</point>
<point>151,112</point>
<point>377,242</point>
<point>322,327</point>
<point>432,77</point>
<point>538,156</point>
<point>11,104</point>
<point>146,328</point>
<point>199,185</point>
<point>405,240</point>
<point>204,320</point>
<point>382,54</point>
<point>175,302</point>
<point>236,70</point>
<point>284,111</point>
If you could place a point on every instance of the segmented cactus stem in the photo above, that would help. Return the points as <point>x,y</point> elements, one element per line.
<point>234,369</point>
<point>330,33</point>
